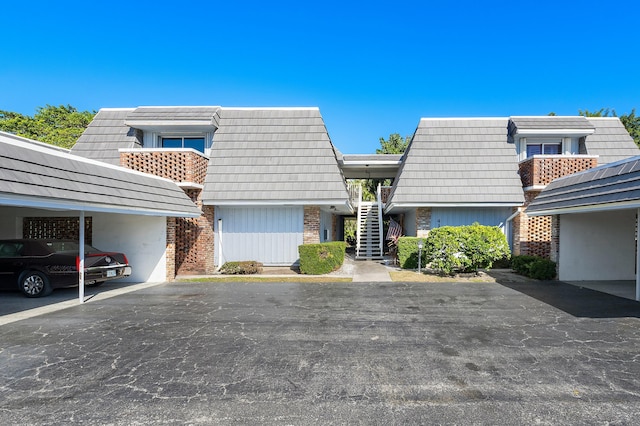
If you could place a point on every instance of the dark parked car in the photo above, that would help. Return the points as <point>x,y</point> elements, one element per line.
<point>39,266</point>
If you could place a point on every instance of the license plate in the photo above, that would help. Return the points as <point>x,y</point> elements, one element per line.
<point>111,273</point>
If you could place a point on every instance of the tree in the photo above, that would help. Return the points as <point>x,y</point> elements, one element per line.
<point>56,125</point>
<point>395,144</point>
<point>630,121</point>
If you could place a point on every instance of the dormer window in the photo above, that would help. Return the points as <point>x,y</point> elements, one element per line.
<point>176,127</point>
<point>550,135</point>
<point>197,143</point>
<point>544,146</point>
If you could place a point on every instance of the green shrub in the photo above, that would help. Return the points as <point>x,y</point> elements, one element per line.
<point>445,249</point>
<point>408,252</point>
<point>542,269</point>
<point>535,267</point>
<point>521,263</point>
<point>241,268</point>
<point>318,259</point>
<point>484,245</point>
<point>465,248</point>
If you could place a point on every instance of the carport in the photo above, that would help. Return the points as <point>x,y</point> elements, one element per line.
<point>595,221</point>
<point>129,209</point>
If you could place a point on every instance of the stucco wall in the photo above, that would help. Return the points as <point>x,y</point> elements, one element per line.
<point>141,238</point>
<point>10,222</point>
<point>597,246</point>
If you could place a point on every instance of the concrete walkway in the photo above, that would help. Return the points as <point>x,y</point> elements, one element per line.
<point>371,271</point>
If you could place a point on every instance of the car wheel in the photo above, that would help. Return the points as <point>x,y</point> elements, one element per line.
<point>34,284</point>
<point>96,284</point>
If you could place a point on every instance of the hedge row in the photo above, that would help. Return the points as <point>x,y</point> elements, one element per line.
<point>322,258</point>
<point>241,268</point>
<point>535,267</point>
<point>450,249</point>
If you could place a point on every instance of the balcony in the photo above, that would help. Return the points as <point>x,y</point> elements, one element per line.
<point>540,170</point>
<point>180,165</point>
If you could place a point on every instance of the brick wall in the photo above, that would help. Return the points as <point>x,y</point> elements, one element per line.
<point>541,170</point>
<point>531,235</point>
<point>58,228</point>
<point>311,228</point>
<point>554,253</point>
<point>423,221</point>
<point>191,248</point>
<point>171,248</point>
<point>334,227</point>
<point>536,235</point>
<point>179,166</point>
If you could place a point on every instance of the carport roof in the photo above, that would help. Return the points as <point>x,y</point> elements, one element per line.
<point>33,174</point>
<point>610,187</point>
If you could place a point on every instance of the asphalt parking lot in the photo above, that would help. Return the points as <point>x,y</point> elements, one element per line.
<point>348,353</point>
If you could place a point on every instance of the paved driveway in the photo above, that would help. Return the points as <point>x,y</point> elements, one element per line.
<point>346,353</point>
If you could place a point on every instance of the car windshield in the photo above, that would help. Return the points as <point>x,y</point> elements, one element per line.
<point>70,246</point>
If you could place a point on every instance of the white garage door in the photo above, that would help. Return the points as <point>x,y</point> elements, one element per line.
<point>270,235</point>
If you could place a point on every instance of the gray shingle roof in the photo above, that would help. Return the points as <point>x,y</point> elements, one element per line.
<point>611,141</point>
<point>372,157</point>
<point>549,123</point>
<point>273,155</point>
<point>173,114</point>
<point>606,185</point>
<point>459,161</point>
<point>47,178</point>
<point>105,135</point>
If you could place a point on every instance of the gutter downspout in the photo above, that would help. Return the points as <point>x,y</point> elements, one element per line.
<point>509,226</point>
<point>219,245</point>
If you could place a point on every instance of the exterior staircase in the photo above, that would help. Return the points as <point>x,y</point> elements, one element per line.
<point>369,236</point>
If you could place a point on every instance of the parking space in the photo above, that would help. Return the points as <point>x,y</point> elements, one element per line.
<point>14,306</point>
<point>288,353</point>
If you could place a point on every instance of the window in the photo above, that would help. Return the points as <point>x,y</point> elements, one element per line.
<point>547,148</point>
<point>196,143</point>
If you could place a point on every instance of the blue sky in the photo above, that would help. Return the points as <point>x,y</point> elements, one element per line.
<point>373,68</point>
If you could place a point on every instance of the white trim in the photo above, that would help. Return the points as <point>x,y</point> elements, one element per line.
<point>554,132</point>
<point>347,163</point>
<point>280,203</point>
<point>56,204</point>
<point>534,188</point>
<point>160,149</point>
<point>177,106</point>
<point>461,118</point>
<point>587,209</point>
<point>392,206</point>
<point>142,124</point>
<point>270,108</point>
<point>190,185</point>
<point>51,150</point>
<point>553,156</point>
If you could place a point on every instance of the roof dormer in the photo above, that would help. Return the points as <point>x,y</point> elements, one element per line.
<point>549,135</point>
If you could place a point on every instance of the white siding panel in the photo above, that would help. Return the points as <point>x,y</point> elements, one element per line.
<point>598,246</point>
<point>270,235</point>
<point>326,224</point>
<point>467,216</point>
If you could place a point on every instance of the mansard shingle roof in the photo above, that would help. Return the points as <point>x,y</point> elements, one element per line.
<point>263,155</point>
<point>459,161</point>
<point>105,135</point>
